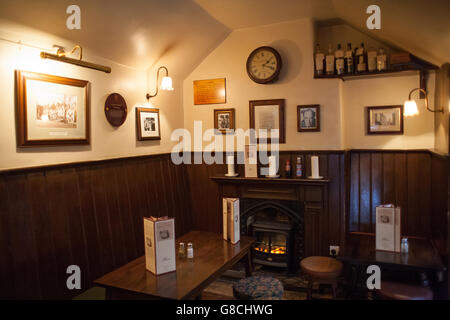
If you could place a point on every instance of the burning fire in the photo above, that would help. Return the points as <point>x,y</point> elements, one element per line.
<point>274,250</point>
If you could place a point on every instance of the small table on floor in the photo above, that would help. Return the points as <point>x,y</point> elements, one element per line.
<point>422,257</point>
<point>212,256</point>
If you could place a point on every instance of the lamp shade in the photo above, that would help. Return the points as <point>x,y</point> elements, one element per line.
<point>410,108</point>
<point>166,84</point>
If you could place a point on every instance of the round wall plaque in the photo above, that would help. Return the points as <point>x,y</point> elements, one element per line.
<point>115,109</point>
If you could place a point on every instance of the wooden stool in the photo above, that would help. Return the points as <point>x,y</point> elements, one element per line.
<point>400,291</point>
<point>323,270</point>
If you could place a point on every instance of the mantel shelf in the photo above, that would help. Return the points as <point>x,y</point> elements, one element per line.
<point>224,179</point>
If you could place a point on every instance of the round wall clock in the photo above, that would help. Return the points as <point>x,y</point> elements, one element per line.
<point>115,109</point>
<point>264,65</point>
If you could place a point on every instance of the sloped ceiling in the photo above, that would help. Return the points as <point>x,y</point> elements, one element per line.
<point>136,33</point>
<point>419,26</point>
<point>237,14</point>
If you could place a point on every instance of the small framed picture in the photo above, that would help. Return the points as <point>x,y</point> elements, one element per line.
<point>224,120</point>
<point>268,115</point>
<point>308,118</point>
<point>385,120</point>
<point>147,124</point>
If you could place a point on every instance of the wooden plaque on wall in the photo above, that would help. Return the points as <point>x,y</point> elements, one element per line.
<point>209,91</point>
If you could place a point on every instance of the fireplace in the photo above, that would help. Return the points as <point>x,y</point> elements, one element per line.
<point>277,226</point>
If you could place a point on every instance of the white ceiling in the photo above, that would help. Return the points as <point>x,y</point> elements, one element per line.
<point>419,26</point>
<point>140,33</point>
<point>136,33</point>
<point>237,14</point>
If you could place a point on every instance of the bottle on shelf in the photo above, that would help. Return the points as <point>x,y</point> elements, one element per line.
<point>287,169</point>
<point>360,55</point>
<point>349,60</point>
<point>339,56</point>
<point>372,60</point>
<point>381,60</point>
<point>299,167</point>
<point>329,61</point>
<point>319,60</point>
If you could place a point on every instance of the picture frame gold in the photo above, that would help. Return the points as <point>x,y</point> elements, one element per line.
<point>229,125</point>
<point>51,110</point>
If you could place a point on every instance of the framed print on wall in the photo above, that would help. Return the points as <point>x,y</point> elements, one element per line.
<point>268,114</point>
<point>308,118</point>
<point>51,110</point>
<point>224,120</point>
<point>147,124</point>
<point>385,120</point>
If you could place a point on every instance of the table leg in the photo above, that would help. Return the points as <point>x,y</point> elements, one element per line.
<point>249,264</point>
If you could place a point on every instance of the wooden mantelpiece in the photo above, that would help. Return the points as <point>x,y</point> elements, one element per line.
<point>312,193</point>
<point>224,179</point>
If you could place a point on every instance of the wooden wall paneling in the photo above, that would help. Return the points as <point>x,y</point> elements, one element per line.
<point>90,223</point>
<point>43,234</point>
<point>401,187</point>
<point>102,218</point>
<point>58,213</point>
<point>6,251</point>
<point>365,194</point>
<point>353,223</point>
<point>345,194</point>
<point>412,221</point>
<point>70,196</point>
<point>126,213</point>
<point>161,176</point>
<point>376,186</point>
<point>388,177</point>
<point>334,199</point>
<point>114,212</point>
<point>439,205</point>
<point>182,198</point>
<point>423,172</point>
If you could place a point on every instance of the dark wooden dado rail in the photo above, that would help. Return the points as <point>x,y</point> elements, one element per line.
<point>90,213</point>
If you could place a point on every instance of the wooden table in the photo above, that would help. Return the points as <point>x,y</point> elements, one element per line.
<point>422,257</point>
<point>212,256</point>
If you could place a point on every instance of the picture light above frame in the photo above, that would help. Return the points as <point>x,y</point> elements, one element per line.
<point>61,56</point>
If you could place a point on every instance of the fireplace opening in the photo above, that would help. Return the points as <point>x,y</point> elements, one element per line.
<point>273,243</point>
<point>277,226</point>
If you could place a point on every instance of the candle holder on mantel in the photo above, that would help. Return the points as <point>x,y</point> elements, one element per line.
<point>231,171</point>
<point>315,168</point>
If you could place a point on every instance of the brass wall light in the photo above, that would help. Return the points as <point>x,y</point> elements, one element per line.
<point>410,105</point>
<point>166,83</point>
<point>61,56</point>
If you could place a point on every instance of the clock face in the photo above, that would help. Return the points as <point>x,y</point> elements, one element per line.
<point>264,65</point>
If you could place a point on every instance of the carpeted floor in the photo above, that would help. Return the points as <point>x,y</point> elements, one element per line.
<point>294,285</point>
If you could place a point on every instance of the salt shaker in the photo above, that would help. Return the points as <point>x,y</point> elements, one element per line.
<point>182,250</point>
<point>404,247</point>
<point>190,251</point>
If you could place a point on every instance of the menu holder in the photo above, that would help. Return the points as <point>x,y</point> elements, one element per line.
<point>159,236</point>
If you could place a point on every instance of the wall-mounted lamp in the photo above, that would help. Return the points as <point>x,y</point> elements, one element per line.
<point>166,83</point>
<point>61,56</point>
<point>410,106</point>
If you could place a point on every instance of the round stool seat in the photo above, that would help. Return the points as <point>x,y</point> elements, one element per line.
<point>401,291</point>
<point>321,267</point>
<point>258,287</point>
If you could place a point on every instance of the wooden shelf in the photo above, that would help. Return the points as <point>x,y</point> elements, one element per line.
<point>224,179</point>
<point>375,74</point>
